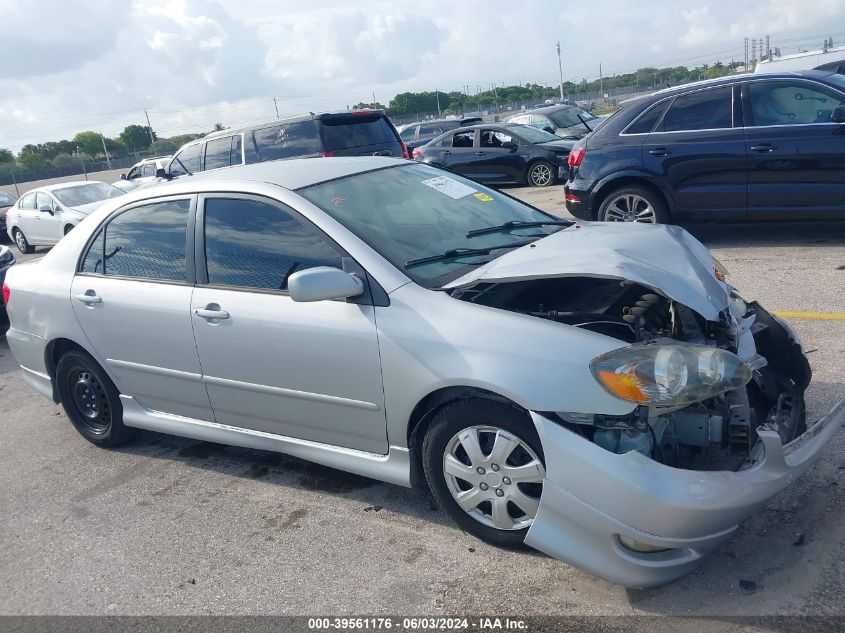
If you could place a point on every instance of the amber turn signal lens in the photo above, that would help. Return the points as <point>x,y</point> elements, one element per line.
<point>623,385</point>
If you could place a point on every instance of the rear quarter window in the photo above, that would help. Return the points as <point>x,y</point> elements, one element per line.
<point>286,140</point>
<point>347,132</point>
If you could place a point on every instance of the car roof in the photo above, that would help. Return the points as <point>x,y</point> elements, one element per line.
<point>549,108</point>
<point>454,119</point>
<point>292,173</point>
<point>727,79</point>
<point>64,185</point>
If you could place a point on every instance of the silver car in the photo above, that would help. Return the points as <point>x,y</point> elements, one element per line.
<point>595,391</point>
<point>42,216</point>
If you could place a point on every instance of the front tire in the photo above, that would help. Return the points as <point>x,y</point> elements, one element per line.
<point>633,204</point>
<point>540,173</point>
<point>484,464</point>
<point>23,245</point>
<point>90,400</point>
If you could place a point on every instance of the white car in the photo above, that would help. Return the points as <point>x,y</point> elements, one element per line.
<point>42,216</point>
<point>596,391</point>
<point>142,173</point>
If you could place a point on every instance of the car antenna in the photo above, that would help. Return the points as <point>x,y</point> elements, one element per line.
<point>589,129</point>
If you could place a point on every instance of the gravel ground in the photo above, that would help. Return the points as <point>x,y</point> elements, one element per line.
<point>172,526</point>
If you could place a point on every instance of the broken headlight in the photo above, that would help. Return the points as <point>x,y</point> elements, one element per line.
<point>669,375</point>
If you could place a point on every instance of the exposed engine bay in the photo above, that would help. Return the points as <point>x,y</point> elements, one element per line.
<point>715,433</point>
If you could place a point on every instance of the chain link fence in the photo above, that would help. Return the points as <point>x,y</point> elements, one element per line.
<point>10,174</point>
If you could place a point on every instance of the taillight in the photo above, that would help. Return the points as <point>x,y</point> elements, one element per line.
<point>7,292</point>
<point>326,154</point>
<point>576,156</point>
<point>417,153</point>
<point>405,151</point>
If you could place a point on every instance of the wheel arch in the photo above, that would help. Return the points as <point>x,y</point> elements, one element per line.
<point>540,159</point>
<point>424,411</point>
<point>609,185</point>
<point>55,349</point>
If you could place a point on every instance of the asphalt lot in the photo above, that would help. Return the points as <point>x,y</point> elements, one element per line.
<point>172,526</point>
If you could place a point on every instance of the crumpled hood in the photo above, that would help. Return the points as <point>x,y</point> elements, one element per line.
<point>664,258</point>
<point>86,209</point>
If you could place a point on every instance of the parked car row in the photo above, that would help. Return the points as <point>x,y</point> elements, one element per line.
<point>417,134</point>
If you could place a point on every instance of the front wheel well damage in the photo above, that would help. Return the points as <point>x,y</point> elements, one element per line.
<point>424,411</point>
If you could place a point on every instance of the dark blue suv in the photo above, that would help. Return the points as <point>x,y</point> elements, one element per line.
<point>745,147</point>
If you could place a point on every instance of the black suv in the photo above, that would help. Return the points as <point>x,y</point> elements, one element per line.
<point>418,134</point>
<point>353,133</point>
<point>765,146</point>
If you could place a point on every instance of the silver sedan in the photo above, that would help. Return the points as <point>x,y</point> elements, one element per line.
<point>596,391</point>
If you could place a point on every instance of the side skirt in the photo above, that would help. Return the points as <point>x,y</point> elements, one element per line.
<point>394,468</point>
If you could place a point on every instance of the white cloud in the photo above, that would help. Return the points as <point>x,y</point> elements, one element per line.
<point>97,64</point>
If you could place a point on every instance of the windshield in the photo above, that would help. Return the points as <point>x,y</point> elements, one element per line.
<point>532,134</point>
<point>569,116</point>
<point>414,211</point>
<point>86,194</point>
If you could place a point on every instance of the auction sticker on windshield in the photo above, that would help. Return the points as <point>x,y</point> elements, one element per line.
<point>449,187</point>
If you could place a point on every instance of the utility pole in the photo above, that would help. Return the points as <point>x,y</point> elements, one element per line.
<point>374,99</point>
<point>437,94</point>
<point>601,82</point>
<point>276,105</point>
<point>105,151</point>
<point>150,130</point>
<point>560,69</point>
<point>745,66</point>
<point>768,48</point>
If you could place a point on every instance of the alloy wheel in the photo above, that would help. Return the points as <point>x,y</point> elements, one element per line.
<point>630,207</point>
<point>541,175</point>
<point>494,476</point>
<point>20,240</point>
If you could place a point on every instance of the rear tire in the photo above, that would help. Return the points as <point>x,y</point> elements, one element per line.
<point>68,228</point>
<point>23,245</point>
<point>633,204</point>
<point>540,173</point>
<point>473,452</point>
<point>90,400</point>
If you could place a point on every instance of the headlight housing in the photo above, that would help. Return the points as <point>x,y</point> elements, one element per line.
<point>669,375</point>
<point>6,256</point>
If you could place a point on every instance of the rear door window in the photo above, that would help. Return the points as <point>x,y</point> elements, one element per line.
<point>28,201</point>
<point>356,130</point>
<point>218,153</point>
<point>409,133</point>
<point>286,140</point>
<point>702,110</point>
<point>463,139</point>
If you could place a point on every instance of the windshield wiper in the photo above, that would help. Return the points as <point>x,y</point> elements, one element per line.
<point>585,123</point>
<point>515,224</point>
<point>454,253</point>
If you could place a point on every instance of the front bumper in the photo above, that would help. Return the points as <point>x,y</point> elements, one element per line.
<point>591,497</point>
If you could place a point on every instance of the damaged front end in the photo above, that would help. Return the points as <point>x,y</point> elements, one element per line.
<point>769,371</point>
<point>717,424</point>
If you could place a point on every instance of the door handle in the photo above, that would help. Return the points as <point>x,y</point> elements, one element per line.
<point>762,147</point>
<point>480,153</point>
<point>89,297</point>
<point>207,313</point>
<point>446,151</point>
<point>659,151</point>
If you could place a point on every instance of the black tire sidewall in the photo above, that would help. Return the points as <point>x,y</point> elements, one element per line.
<point>117,433</point>
<point>531,167</point>
<point>449,420</point>
<point>661,213</point>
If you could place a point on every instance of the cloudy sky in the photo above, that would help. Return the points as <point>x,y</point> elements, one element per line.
<point>97,64</point>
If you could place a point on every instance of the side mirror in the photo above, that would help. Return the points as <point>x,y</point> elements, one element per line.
<point>161,172</point>
<point>322,283</point>
<point>838,115</point>
<point>123,176</point>
<point>510,146</point>
<point>45,208</point>
<point>549,129</point>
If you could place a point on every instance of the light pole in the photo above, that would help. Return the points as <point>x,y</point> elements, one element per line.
<point>560,69</point>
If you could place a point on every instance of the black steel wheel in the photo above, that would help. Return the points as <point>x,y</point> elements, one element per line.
<point>90,399</point>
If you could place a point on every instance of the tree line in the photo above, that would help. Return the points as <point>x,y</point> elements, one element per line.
<point>412,103</point>
<point>91,146</point>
